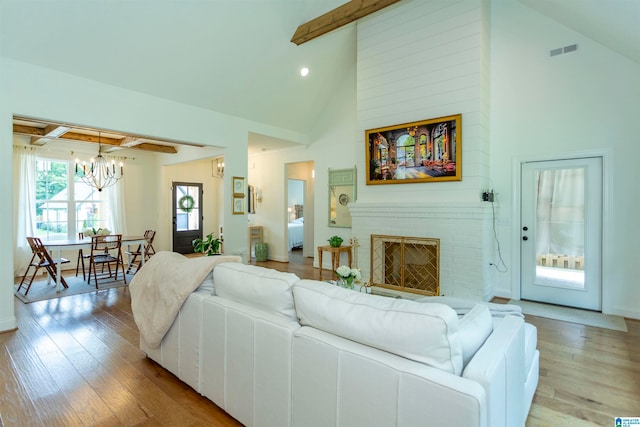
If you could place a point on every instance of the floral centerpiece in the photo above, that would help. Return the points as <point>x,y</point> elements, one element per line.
<point>347,275</point>
<point>96,232</point>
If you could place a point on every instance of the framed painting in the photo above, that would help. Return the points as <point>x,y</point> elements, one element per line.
<point>237,183</point>
<point>238,206</point>
<point>425,151</point>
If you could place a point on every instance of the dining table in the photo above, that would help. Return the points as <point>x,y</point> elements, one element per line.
<point>57,246</point>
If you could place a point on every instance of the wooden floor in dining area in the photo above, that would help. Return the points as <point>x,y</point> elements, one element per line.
<point>74,361</point>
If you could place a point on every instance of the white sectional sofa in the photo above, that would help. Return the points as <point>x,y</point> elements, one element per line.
<point>273,350</point>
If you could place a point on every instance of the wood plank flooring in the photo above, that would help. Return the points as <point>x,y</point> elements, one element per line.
<point>74,361</point>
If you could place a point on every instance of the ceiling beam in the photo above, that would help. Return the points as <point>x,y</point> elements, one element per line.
<point>96,139</point>
<point>28,130</point>
<point>337,18</point>
<point>39,136</point>
<point>50,132</point>
<point>155,147</point>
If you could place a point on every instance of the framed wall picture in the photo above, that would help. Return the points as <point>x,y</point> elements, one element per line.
<point>425,151</point>
<point>237,183</point>
<point>238,206</point>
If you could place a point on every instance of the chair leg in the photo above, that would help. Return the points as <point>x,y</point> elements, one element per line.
<point>52,273</point>
<point>79,260</point>
<point>132,263</point>
<point>121,261</point>
<point>28,281</point>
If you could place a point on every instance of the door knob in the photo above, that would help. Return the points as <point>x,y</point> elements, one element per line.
<point>525,238</point>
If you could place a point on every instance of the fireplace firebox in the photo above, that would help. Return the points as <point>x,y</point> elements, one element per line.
<point>410,264</point>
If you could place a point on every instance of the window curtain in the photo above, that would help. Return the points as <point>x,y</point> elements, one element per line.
<point>115,208</point>
<point>24,215</point>
<point>560,212</point>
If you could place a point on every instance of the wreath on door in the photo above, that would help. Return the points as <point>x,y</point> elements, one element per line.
<point>186,203</point>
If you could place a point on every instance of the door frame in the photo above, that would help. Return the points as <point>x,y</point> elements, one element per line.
<point>607,243</point>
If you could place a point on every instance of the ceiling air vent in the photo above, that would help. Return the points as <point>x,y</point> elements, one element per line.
<point>561,50</point>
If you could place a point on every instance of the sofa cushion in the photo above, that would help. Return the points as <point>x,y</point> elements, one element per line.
<point>426,333</point>
<point>259,287</point>
<point>207,284</point>
<point>475,327</point>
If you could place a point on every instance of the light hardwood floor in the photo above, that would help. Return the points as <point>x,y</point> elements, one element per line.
<point>74,361</point>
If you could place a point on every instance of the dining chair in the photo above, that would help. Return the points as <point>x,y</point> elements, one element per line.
<point>106,251</point>
<point>41,258</point>
<point>135,257</point>
<point>82,257</point>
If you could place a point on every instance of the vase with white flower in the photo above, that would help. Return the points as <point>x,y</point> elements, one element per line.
<point>99,232</point>
<point>346,276</point>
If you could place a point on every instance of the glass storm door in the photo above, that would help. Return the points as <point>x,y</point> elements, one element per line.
<point>560,232</point>
<point>187,216</point>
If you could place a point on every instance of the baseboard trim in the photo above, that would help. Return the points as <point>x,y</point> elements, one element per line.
<point>8,324</point>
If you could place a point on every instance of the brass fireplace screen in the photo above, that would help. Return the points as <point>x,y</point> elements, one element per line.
<point>410,264</point>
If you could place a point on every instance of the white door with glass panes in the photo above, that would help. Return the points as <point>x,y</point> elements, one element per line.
<point>561,232</point>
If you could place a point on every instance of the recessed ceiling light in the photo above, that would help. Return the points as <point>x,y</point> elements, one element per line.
<point>304,71</point>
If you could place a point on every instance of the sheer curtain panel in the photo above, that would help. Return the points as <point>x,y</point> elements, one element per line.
<point>24,215</point>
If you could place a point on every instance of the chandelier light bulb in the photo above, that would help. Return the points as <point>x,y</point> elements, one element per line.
<point>304,71</point>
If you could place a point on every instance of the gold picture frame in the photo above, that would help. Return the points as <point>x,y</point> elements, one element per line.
<point>237,186</point>
<point>425,151</point>
<point>238,206</point>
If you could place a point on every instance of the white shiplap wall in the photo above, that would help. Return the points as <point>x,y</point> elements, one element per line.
<point>422,59</point>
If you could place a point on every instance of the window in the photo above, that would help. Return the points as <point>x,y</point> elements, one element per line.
<point>64,204</point>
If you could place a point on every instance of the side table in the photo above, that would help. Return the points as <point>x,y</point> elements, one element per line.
<point>335,256</point>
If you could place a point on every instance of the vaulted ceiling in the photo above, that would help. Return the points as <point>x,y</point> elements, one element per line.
<point>234,56</point>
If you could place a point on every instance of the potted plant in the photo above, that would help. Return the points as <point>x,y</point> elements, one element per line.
<point>335,241</point>
<point>209,245</point>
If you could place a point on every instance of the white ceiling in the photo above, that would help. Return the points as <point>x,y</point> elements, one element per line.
<point>234,56</point>
<point>231,56</point>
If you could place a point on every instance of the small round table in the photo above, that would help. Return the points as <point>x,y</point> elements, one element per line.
<point>335,256</point>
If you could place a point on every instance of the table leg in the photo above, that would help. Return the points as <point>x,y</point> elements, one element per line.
<point>320,262</point>
<point>58,269</point>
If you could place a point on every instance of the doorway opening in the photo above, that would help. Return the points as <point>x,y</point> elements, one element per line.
<point>299,210</point>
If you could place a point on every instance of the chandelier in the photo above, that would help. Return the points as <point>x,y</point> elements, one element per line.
<point>100,173</point>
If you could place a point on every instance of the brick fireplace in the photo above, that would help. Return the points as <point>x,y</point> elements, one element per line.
<point>462,229</point>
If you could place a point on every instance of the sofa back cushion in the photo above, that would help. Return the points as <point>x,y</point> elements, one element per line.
<point>426,333</point>
<point>475,328</point>
<point>259,287</point>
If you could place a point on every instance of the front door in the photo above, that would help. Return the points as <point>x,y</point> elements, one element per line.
<point>560,232</point>
<point>187,216</point>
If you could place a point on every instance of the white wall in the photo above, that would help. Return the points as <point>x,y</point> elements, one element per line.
<point>418,60</point>
<point>581,103</point>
